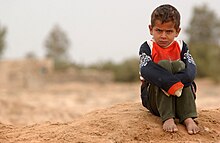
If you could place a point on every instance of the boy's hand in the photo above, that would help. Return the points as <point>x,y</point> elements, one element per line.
<point>179,92</point>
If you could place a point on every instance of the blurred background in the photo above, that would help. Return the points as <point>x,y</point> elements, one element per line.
<point>60,59</point>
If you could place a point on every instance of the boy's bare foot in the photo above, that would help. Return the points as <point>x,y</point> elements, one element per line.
<point>170,126</point>
<point>191,126</point>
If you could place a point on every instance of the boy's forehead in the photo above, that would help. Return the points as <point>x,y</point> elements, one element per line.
<point>169,24</point>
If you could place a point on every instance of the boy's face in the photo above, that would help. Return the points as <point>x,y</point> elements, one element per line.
<point>164,34</point>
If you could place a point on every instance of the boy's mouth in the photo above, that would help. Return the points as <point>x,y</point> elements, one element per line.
<point>163,43</point>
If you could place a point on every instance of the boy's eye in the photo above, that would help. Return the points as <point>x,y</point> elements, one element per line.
<point>169,31</point>
<point>158,30</point>
<point>166,31</point>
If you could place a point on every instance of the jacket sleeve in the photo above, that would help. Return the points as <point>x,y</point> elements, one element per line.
<point>188,74</point>
<point>156,74</point>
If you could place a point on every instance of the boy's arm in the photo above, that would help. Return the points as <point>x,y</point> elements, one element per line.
<point>156,74</point>
<point>188,74</point>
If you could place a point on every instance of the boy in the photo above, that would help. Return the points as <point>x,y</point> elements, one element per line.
<point>167,72</point>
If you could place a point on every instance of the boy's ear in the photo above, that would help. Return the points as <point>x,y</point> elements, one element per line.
<point>178,31</point>
<point>150,29</point>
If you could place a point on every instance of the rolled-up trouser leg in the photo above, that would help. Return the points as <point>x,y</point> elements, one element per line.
<point>171,106</point>
<point>160,104</point>
<point>185,105</point>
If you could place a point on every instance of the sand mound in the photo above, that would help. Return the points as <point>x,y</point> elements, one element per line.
<point>122,123</point>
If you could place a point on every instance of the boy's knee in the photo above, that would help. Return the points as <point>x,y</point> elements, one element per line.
<point>172,66</point>
<point>177,66</point>
<point>165,64</point>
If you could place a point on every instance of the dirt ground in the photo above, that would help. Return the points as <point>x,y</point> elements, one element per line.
<point>97,112</point>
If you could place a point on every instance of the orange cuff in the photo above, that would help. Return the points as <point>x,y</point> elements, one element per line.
<point>175,87</point>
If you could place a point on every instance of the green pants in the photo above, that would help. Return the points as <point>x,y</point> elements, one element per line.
<point>171,106</point>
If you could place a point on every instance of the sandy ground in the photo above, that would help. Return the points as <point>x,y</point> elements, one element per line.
<point>97,112</point>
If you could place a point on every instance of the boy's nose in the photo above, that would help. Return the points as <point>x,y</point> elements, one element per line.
<point>163,35</point>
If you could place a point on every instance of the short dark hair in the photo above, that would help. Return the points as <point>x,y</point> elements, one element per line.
<point>166,13</point>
